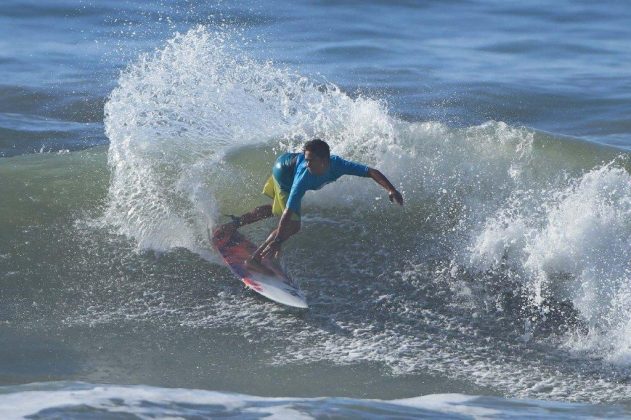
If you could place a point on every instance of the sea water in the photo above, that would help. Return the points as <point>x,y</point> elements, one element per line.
<point>501,288</point>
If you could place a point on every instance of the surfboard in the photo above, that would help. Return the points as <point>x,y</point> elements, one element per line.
<point>279,287</point>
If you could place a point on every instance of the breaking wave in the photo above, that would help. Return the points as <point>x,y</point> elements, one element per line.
<point>514,221</point>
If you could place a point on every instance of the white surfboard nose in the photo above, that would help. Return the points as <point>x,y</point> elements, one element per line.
<point>276,290</point>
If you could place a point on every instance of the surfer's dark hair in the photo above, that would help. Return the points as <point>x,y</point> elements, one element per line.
<point>318,147</point>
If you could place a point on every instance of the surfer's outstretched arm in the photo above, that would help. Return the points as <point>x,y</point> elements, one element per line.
<point>379,178</point>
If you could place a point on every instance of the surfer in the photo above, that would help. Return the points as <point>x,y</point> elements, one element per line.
<point>294,174</point>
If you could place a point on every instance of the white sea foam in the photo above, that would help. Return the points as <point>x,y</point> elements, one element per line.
<point>575,245</point>
<point>67,399</point>
<point>176,112</point>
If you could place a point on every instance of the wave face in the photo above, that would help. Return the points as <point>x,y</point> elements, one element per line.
<point>510,239</point>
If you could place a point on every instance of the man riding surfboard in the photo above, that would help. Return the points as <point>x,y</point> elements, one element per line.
<point>294,174</point>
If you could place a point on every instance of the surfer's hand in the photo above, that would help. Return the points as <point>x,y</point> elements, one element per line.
<point>395,196</point>
<point>272,249</point>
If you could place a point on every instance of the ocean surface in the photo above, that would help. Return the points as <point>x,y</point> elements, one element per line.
<point>501,289</point>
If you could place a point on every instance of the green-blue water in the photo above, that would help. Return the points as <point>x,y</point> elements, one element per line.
<point>127,129</point>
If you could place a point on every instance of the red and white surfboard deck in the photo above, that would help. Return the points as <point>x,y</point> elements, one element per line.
<point>236,248</point>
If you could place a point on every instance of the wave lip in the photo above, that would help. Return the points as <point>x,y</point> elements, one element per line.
<point>572,243</point>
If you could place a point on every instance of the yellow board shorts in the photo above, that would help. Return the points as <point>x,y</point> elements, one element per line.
<point>273,191</point>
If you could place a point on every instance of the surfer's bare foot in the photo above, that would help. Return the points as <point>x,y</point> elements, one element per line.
<point>227,229</point>
<point>256,265</point>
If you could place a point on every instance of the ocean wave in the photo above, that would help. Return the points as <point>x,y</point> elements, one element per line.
<point>70,399</point>
<point>492,210</point>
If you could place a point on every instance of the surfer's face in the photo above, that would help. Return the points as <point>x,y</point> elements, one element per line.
<point>316,165</point>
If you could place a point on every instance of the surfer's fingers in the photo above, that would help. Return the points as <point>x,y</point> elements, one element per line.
<point>270,249</point>
<point>266,251</point>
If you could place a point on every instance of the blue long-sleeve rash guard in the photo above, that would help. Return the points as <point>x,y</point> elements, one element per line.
<point>292,175</point>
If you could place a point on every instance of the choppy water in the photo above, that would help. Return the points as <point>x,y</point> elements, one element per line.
<point>128,129</point>
<point>81,400</point>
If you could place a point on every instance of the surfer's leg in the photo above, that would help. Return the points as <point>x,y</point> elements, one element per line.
<point>259,213</point>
